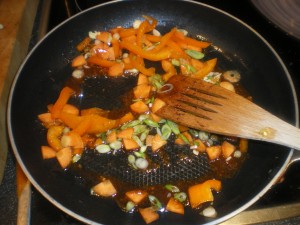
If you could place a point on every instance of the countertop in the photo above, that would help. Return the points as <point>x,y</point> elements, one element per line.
<point>16,19</point>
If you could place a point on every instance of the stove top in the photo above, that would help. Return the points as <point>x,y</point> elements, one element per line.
<point>281,203</point>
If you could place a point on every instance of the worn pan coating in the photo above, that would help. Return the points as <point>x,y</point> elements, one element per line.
<point>43,73</point>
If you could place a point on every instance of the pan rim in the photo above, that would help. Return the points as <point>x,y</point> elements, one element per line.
<point>86,220</point>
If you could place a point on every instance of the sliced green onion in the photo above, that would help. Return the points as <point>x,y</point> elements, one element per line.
<point>143,117</point>
<point>144,135</point>
<point>181,196</point>
<point>131,159</point>
<point>140,154</point>
<point>174,127</point>
<point>151,123</point>
<point>76,158</point>
<point>141,163</point>
<point>175,62</point>
<point>143,148</point>
<point>158,131</point>
<point>184,138</point>
<point>116,145</point>
<point>203,136</point>
<point>103,148</point>
<point>155,202</point>
<point>191,69</point>
<point>166,131</point>
<point>131,124</point>
<point>140,128</point>
<point>194,54</point>
<point>194,133</point>
<point>129,206</point>
<point>137,140</point>
<point>172,188</point>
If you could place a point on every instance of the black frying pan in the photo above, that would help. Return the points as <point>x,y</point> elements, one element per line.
<point>237,46</point>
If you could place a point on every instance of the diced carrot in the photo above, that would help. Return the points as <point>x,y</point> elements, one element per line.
<point>149,214</point>
<point>105,189</point>
<point>155,117</point>
<point>48,152</point>
<point>62,100</point>
<point>116,47</point>
<point>53,137</point>
<point>88,140</point>
<point>243,146</point>
<point>215,184</point>
<point>130,144</point>
<point>180,141</point>
<point>104,37</point>
<point>64,157</point>
<point>83,44</point>
<point>157,104</point>
<point>197,64</point>
<point>200,193</point>
<point>46,119</point>
<point>126,133</point>
<point>142,79</point>
<point>136,195</point>
<point>139,107</point>
<point>116,70</point>
<point>157,142</point>
<point>94,110</point>
<point>227,149</point>
<point>126,118</point>
<point>214,152</point>
<point>208,67</point>
<point>111,137</point>
<point>142,91</point>
<point>175,206</point>
<point>77,151</point>
<point>200,145</point>
<point>78,61</point>
<point>72,139</point>
<point>98,141</point>
<point>149,139</point>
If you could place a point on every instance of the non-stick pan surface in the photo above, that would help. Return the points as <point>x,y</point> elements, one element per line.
<point>47,67</point>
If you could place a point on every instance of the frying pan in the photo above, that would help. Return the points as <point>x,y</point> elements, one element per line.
<point>47,67</point>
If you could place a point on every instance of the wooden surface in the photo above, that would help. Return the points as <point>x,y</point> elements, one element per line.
<point>17,18</point>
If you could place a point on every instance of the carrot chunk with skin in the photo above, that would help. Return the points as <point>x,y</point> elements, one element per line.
<point>126,133</point>
<point>78,61</point>
<point>157,142</point>
<point>157,104</point>
<point>200,193</point>
<point>139,107</point>
<point>142,91</point>
<point>46,119</point>
<point>105,189</point>
<point>130,144</point>
<point>213,152</point>
<point>72,139</point>
<point>142,79</point>
<point>64,157</point>
<point>48,152</point>
<point>149,214</point>
<point>175,206</point>
<point>126,118</point>
<point>136,196</point>
<point>53,137</point>
<point>116,70</point>
<point>111,137</point>
<point>62,100</point>
<point>227,149</point>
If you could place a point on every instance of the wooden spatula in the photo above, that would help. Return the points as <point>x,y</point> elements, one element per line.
<point>204,106</point>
